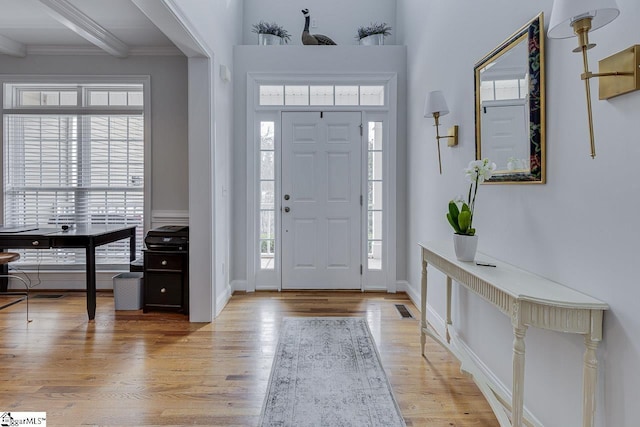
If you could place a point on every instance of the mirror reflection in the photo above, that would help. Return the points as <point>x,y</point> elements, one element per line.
<point>509,89</point>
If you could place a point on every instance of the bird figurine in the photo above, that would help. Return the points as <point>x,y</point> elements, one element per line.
<point>313,39</point>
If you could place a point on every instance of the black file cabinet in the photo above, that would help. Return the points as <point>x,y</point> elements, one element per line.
<point>166,280</point>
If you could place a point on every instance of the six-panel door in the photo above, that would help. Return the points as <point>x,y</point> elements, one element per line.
<point>321,206</point>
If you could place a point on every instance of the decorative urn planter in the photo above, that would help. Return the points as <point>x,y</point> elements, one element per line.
<point>373,40</point>
<point>465,246</point>
<point>269,39</point>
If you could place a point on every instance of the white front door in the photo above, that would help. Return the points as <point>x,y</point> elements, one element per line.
<point>505,125</point>
<point>321,206</point>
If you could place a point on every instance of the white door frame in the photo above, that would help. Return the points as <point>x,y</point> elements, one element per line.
<point>380,280</point>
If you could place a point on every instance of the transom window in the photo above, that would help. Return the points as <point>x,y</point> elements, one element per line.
<point>322,95</point>
<point>74,154</point>
<point>505,89</point>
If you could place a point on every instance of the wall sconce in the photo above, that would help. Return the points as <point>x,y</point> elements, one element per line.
<point>435,106</point>
<point>620,72</point>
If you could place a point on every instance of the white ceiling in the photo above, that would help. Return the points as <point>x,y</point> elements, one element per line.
<point>116,27</point>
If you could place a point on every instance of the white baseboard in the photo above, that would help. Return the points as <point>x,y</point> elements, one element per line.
<point>242,285</point>
<point>377,289</point>
<point>414,296</point>
<point>222,300</point>
<point>498,386</point>
<point>238,285</point>
<point>438,324</point>
<point>265,288</point>
<point>63,280</point>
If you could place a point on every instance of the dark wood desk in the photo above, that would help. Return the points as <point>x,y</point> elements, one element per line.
<point>80,236</point>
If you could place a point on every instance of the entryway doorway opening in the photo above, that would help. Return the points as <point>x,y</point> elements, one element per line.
<point>321,193</point>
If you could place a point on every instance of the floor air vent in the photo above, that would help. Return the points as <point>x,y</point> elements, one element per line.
<point>404,312</point>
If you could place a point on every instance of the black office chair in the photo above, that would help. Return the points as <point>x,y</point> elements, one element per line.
<point>6,258</point>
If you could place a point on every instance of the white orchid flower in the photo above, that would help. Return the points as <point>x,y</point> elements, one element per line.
<point>477,172</point>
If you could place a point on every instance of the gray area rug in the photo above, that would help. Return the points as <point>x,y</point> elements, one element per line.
<point>327,373</point>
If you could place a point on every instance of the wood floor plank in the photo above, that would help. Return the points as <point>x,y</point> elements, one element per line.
<point>157,369</point>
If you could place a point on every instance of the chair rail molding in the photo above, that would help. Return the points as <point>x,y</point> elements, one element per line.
<point>169,217</point>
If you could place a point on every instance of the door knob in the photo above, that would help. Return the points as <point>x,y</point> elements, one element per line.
<point>287,197</point>
<point>287,209</point>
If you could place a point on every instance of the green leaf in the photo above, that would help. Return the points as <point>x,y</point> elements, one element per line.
<point>464,220</point>
<point>453,224</point>
<point>452,216</point>
<point>453,210</point>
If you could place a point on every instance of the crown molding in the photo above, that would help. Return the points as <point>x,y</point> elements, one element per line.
<point>72,18</point>
<point>11,47</point>
<point>92,50</point>
<point>155,51</point>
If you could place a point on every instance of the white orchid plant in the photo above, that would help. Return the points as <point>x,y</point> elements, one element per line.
<point>460,213</point>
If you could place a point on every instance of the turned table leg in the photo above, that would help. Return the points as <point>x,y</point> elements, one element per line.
<point>423,306</point>
<point>448,309</point>
<point>517,401</point>
<point>589,377</point>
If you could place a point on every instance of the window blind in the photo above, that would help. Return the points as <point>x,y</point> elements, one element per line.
<point>80,168</point>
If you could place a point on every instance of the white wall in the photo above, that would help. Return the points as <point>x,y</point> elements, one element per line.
<point>579,229</point>
<point>347,60</point>
<point>342,28</point>
<point>217,24</point>
<point>169,191</point>
<point>335,18</point>
<point>168,110</point>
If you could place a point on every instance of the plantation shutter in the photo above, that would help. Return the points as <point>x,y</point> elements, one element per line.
<point>81,162</point>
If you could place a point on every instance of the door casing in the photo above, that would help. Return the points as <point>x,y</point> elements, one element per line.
<point>257,279</point>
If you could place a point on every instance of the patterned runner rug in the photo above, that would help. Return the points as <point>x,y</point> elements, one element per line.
<point>327,373</point>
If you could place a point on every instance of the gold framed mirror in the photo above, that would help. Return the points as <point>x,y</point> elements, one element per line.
<point>510,107</point>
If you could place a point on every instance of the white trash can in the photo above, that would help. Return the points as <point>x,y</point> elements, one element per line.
<point>127,291</point>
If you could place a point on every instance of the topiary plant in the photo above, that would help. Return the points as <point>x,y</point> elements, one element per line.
<point>376,28</point>
<point>264,27</point>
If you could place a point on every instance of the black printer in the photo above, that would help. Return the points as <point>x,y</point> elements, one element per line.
<point>168,238</point>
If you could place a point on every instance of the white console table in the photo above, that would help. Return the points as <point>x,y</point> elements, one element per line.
<point>528,300</point>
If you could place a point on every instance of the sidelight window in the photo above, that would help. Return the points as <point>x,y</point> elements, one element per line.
<point>374,189</point>
<point>267,195</point>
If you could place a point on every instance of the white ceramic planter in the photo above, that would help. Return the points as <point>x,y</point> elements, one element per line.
<point>465,247</point>
<point>373,40</point>
<point>269,39</point>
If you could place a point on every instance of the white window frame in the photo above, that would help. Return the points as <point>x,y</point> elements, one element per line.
<point>372,280</point>
<point>143,80</point>
<point>271,278</point>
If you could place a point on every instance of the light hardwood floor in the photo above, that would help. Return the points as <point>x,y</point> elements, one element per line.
<point>135,369</point>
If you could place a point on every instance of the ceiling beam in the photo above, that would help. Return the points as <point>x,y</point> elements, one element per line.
<point>71,17</point>
<point>11,47</point>
<point>165,17</point>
